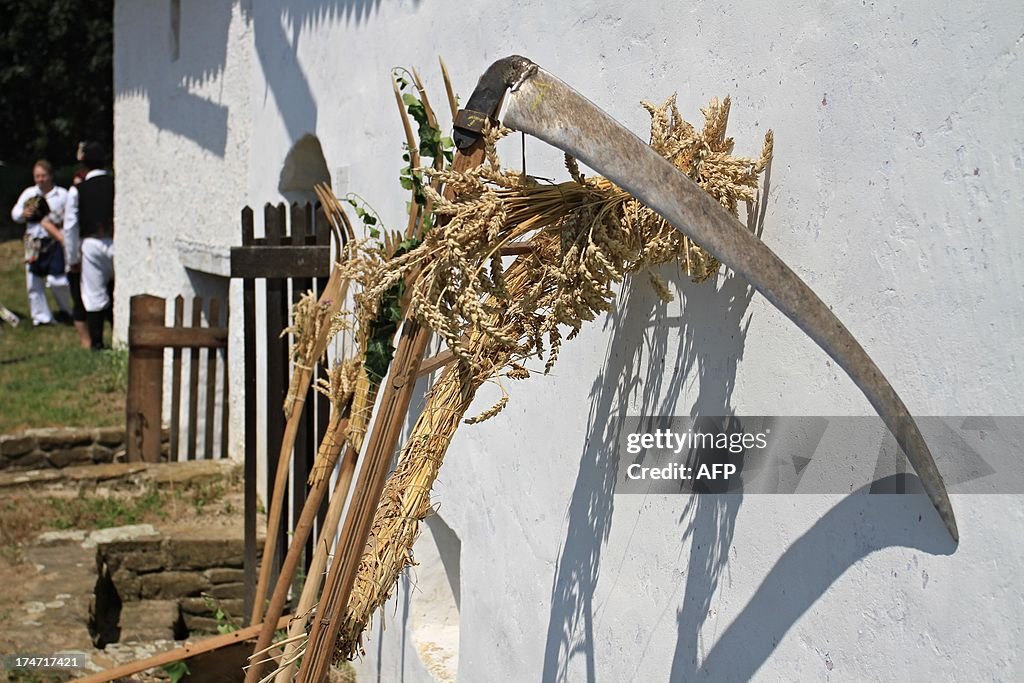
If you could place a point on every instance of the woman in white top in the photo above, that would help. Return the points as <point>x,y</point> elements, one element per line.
<point>44,265</point>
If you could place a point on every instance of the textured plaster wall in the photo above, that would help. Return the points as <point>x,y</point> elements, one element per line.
<point>182,138</point>
<point>896,193</point>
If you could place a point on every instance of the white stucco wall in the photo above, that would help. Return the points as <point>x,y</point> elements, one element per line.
<point>182,136</point>
<point>896,193</point>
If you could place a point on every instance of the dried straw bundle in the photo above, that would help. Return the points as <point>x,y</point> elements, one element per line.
<point>406,498</point>
<point>585,235</point>
<point>604,235</point>
<point>340,387</point>
<point>309,318</point>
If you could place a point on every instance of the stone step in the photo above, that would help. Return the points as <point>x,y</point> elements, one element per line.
<point>126,475</point>
<point>197,570</point>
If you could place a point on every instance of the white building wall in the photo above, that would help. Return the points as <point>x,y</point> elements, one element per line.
<point>182,136</point>
<point>895,193</point>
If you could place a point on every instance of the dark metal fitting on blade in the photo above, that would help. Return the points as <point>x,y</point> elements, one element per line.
<point>486,98</point>
<point>470,122</point>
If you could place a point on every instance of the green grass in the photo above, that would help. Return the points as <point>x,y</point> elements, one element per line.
<point>95,512</point>
<point>46,378</point>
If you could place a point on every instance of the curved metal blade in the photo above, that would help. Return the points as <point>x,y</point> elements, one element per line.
<point>545,107</point>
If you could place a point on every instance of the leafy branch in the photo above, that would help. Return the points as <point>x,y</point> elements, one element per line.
<point>366,213</point>
<point>433,145</point>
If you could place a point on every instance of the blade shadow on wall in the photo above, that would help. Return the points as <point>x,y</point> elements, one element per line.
<point>639,378</point>
<point>713,324</point>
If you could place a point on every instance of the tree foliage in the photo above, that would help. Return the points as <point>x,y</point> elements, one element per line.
<point>56,77</point>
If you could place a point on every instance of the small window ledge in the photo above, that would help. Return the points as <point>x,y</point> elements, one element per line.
<point>205,258</point>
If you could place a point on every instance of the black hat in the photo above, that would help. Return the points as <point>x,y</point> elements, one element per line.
<point>92,152</point>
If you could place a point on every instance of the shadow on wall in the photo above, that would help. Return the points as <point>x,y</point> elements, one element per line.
<point>166,50</point>
<point>711,324</point>
<point>713,337</point>
<point>802,575</point>
<point>304,167</point>
<point>195,35</point>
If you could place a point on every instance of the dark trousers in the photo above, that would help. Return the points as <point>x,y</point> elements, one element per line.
<point>94,319</point>
<point>78,310</point>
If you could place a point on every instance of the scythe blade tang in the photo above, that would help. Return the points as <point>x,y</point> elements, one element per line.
<point>543,106</point>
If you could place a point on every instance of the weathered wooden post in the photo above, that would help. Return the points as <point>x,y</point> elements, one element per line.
<point>144,404</point>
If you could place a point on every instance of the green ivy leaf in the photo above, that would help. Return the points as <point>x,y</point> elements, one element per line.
<point>176,670</point>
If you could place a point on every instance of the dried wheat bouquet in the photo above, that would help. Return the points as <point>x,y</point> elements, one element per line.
<point>577,239</point>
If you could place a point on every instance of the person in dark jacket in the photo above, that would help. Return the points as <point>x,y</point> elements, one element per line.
<point>89,239</point>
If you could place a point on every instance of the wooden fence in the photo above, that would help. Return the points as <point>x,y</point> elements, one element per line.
<point>148,337</point>
<point>293,257</point>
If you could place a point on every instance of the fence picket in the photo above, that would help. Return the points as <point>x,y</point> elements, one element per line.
<point>179,321</point>
<point>213,317</point>
<point>193,382</point>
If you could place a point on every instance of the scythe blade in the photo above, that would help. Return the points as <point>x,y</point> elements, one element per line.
<point>540,104</point>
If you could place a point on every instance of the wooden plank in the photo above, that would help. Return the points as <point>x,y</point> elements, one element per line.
<point>249,465</point>
<point>286,241</point>
<point>321,227</point>
<point>183,337</point>
<point>516,249</point>
<point>212,318</point>
<point>144,403</point>
<point>179,320</point>
<point>322,232</point>
<point>301,221</point>
<point>184,652</point>
<point>396,394</point>
<point>323,404</point>
<point>277,372</point>
<point>225,405</point>
<point>280,262</point>
<point>434,362</point>
<point>193,382</point>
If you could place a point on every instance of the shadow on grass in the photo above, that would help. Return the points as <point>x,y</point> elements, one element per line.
<point>17,359</point>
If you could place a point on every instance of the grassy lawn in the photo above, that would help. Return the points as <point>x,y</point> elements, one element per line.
<point>46,379</point>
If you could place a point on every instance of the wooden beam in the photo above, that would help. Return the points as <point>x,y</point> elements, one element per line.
<point>193,381</point>
<point>396,394</point>
<point>435,362</point>
<point>181,653</point>
<point>144,404</point>
<point>213,317</point>
<point>281,262</point>
<point>178,337</point>
<point>516,249</point>
<point>249,420</point>
<point>179,321</point>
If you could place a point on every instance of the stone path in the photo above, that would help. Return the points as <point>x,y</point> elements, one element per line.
<point>45,598</point>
